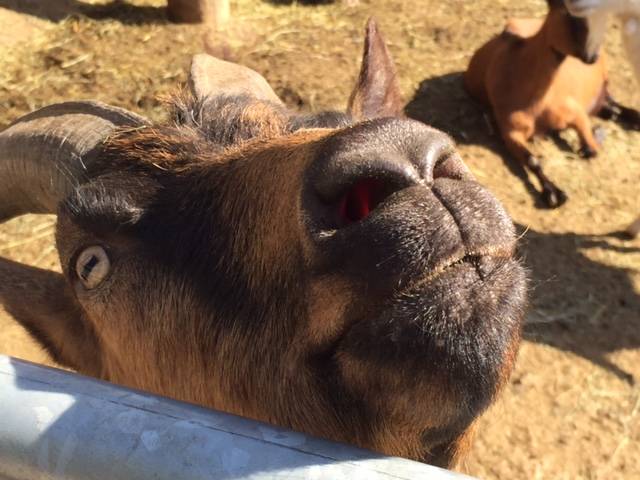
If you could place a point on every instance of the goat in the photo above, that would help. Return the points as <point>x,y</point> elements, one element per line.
<point>341,274</point>
<point>539,76</point>
<point>596,13</point>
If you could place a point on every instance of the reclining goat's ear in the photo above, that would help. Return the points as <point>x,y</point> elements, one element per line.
<point>377,93</point>
<point>210,77</point>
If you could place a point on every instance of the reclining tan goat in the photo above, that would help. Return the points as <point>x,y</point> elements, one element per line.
<point>341,274</point>
<point>542,75</point>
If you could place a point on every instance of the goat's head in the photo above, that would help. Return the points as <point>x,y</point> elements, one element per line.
<point>596,12</point>
<point>572,35</point>
<point>339,274</point>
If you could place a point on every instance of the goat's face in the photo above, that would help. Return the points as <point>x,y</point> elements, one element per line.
<point>573,35</point>
<point>352,282</point>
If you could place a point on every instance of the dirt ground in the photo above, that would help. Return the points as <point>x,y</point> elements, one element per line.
<point>571,410</point>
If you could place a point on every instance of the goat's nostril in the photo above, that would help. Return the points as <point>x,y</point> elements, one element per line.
<point>450,165</point>
<point>360,170</point>
<point>361,199</point>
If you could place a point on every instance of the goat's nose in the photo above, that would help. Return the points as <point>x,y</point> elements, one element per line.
<point>357,169</point>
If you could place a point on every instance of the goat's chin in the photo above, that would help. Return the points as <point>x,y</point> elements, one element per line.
<point>590,58</point>
<point>459,330</point>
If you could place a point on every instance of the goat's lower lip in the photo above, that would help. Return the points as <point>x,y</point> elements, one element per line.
<point>459,325</point>
<point>465,276</point>
<point>483,265</point>
<point>468,271</point>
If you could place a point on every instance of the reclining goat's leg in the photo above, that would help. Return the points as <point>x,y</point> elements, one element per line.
<point>581,122</point>
<point>516,143</point>
<point>625,116</point>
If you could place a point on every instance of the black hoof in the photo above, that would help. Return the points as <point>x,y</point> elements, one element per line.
<point>587,152</point>
<point>553,198</point>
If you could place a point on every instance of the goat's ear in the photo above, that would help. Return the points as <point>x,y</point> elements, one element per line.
<point>210,76</point>
<point>43,303</point>
<point>377,93</point>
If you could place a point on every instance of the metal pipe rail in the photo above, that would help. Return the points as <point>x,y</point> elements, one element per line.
<point>57,425</point>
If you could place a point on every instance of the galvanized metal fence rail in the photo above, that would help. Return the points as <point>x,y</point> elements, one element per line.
<point>57,425</point>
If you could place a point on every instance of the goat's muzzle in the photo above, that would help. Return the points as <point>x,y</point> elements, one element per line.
<point>430,255</point>
<point>590,58</point>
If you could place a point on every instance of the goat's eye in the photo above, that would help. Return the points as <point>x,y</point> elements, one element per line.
<point>92,266</point>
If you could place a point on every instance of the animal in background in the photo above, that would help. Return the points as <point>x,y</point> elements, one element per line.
<point>596,13</point>
<point>539,75</point>
<point>337,273</point>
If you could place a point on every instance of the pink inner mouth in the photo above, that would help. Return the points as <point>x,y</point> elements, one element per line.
<point>360,200</point>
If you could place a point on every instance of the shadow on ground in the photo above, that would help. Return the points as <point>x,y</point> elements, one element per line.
<point>58,10</point>
<point>580,305</point>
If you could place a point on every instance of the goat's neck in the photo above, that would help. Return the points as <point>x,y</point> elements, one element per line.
<point>543,61</point>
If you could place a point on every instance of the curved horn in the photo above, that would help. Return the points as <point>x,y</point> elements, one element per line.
<point>45,154</point>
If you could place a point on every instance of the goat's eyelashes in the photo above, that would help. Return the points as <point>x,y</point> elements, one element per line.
<point>92,266</point>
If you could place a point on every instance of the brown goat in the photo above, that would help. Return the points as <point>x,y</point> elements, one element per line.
<point>539,76</point>
<point>338,274</point>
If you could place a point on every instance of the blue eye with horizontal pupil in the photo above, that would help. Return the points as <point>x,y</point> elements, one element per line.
<point>92,266</point>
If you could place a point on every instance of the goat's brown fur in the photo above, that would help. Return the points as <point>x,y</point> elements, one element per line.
<point>234,285</point>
